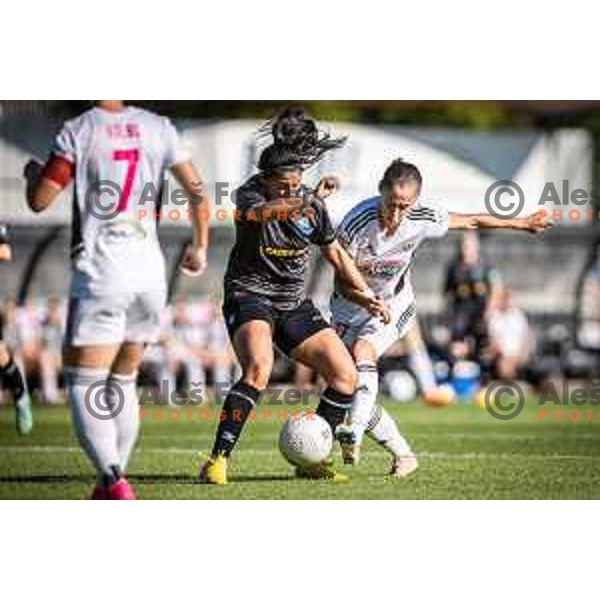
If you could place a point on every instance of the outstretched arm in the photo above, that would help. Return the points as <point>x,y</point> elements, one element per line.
<point>195,257</point>
<point>534,223</point>
<point>352,283</point>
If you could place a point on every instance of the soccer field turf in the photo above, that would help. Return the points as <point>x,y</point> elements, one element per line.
<point>463,453</point>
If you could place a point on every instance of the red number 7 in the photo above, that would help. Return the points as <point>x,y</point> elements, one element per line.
<point>132,157</point>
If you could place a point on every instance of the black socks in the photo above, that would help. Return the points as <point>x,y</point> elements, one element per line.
<point>333,407</point>
<point>13,380</point>
<point>241,399</point>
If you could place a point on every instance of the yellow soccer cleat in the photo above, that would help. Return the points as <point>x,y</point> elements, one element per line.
<point>214,471</point>
<point>322,470</point>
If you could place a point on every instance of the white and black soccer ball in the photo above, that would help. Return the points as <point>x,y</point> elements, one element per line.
<point>401,386</point>
<point>305,439</point>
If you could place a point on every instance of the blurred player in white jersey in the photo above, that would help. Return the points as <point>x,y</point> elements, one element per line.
<point>117,157</point>
<point>382,234</point>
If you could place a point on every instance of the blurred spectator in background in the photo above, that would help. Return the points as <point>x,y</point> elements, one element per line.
<point>510,336</point>
<point>470,283</point>
<point>187,342</point>
<point>194,347</point>
<point>218,356</point>
<point>50,354</point>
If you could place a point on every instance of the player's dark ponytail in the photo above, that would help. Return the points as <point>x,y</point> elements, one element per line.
<point>399,170</point>
<point>297,142</point>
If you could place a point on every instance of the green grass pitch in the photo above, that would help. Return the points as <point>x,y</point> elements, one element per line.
<point>463,453</point>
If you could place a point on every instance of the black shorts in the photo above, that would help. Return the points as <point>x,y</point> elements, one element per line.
<point>290,327</point>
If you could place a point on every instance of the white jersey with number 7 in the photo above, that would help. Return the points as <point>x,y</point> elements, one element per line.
<point>119,161</point>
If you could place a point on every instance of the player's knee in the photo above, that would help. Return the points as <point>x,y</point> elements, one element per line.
<point>345,379</point>
<point>257,374</point>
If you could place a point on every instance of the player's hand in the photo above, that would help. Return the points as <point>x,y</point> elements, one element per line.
<point>193,262</point>
<point>5,252</point>
<point>327,186</point>
<point>378,308</point>
<point>538,222</point>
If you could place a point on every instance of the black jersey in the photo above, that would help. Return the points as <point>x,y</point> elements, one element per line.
<point>270,259</point>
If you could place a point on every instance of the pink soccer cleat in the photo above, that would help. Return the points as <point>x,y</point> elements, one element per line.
<point>120,491</point>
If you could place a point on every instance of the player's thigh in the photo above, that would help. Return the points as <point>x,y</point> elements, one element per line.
<point>95,330</point>
<point>374,339</point>
<point>253,346</point>
<point>325,353</point>
<point>363,350</point>
<point>143,317</point>
<point>128,358</point>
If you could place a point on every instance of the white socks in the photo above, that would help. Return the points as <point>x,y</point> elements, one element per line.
<point>86,390</point>
<point>107,436</point>
<point>382,428</point>
<point>364,397</point>
<point>127,421</point>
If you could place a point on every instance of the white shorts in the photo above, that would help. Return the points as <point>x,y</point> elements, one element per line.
<point>109,319</point>
<point>352,324</point>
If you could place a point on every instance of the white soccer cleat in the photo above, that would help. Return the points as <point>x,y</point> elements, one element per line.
<point>404,465</point>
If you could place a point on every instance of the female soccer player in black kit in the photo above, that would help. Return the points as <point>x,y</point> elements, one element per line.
<point>278,219</point>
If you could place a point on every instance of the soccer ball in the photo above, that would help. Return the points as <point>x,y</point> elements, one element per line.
<point>401,386</point>
<point>305,439</point>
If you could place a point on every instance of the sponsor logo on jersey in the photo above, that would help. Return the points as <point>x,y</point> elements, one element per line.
<point>385,269</point>
<point>282,252</point>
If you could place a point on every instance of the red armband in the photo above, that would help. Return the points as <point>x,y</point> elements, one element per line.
<point>59,170</point>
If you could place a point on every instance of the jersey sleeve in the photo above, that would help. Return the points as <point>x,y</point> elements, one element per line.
<point>64,144</point>
<point>323,234</point>
<point>437,225</point>
<point>176,151</point>
<point>347,233</point>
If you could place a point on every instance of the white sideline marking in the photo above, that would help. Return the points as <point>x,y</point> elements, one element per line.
<point>192,452</point>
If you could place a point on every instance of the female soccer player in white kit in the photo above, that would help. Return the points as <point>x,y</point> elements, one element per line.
<point>382,234</point>
<point>118,287</point>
